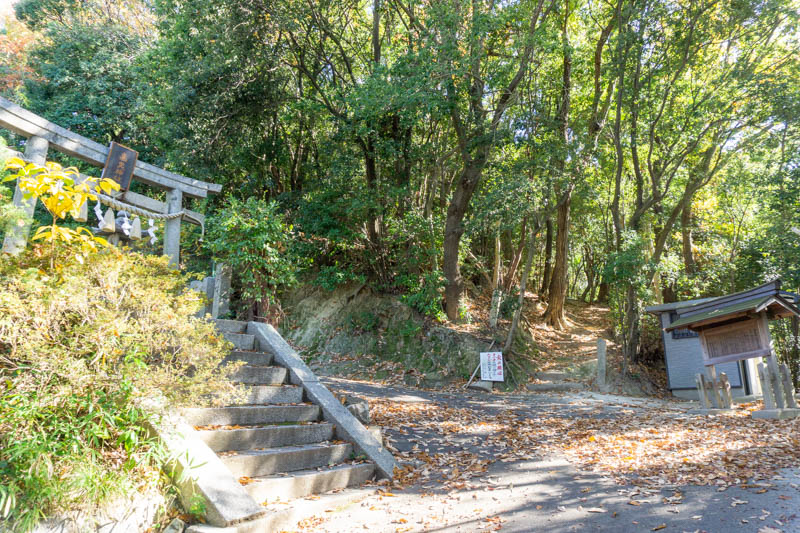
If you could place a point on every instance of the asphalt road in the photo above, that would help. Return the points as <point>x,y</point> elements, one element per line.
<point>548,493</point>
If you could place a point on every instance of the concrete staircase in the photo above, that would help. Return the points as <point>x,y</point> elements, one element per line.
<point>277,443</point>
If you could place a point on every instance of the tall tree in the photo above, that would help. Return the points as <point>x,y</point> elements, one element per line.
<point>478,86</point>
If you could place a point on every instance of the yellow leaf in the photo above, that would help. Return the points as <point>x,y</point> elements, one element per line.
<point>65,234</point>
<point>14,163</point>
<point>42,234</point>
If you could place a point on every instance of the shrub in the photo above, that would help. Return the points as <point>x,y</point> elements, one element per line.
<point>424,293</point>
<point>332,277</point>
<point>82,347</point>
<point>253,239</point>
<point>510,303</point>
<point>61,193</point>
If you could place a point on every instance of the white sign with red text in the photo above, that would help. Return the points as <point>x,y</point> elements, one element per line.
<point>492,366</point>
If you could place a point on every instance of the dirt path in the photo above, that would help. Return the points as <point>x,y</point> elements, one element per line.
<point>576,345</point>
<point>573,462</point>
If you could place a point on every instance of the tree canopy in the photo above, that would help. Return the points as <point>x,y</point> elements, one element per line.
<point>639,150</point>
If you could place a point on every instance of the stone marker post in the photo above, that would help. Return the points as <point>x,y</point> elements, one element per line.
<point>17,237</point>
<point>601,364</point>
<point>699,380</point>
<point>766,386</point>
<point>725,391</point>
<point>774,380</point>
<point>220,304</point>
<point>712,385</point>
<point>773,374</point>
<point>788,387</point>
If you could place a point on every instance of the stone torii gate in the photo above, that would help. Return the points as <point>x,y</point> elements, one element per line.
<point>43,135</point>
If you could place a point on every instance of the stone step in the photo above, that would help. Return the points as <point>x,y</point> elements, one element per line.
<point>254,463</point>
<point>556,386</point>
<point>242,341</point>
<point>231,326</point>
<point>286,517</point>
<point>251,438</point>
<point>250,415</point>
<point>260,375</point>
<point>274,394</point>
<point>251,358</point>
<point>306,482</point>
<point>551,376</point>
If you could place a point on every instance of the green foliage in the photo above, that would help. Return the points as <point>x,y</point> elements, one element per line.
<point>61,194</point>
<point>88,77</point>
<point>9,213</point>
<point>70,448</point>
<point>368,139</point>
<point>509,304</point>
<point>333,276</point>
<point>424,293</point>
<point>88,353</point>
<point>216,93</point>
<point>251,237</point>
<point>628,265</point>
<point>364,321</point>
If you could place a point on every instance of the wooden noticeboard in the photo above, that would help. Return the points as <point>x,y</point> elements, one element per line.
<point>746,339</point>
<point>119,165</point>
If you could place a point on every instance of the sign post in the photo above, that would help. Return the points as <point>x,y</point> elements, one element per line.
<point>492,366</point>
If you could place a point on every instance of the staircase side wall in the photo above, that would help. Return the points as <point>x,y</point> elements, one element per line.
<point>347,425</point>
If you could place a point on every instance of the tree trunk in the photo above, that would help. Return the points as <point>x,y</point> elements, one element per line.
<point>631,334</point>
<point>559,283</point>
<point>796,349</point>
<point>548,257</point>
<point>526,271</point>
<point>371,173</point>
<point>602,293</point>
<point>573,286</point>
<point>686,233</point>
<point>557,294</point>
<point>668,294</point>
<point>590,275</point>
<point>453,230</point>
<point>512,268</point>
<point>497,294</point>
<point>497,262</point>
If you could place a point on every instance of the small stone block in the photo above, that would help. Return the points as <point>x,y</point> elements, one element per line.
<point>484,386</point>
<point>748,399</point>
<point>360,411</point>
<point>176,526</point>
<point>710,412</point>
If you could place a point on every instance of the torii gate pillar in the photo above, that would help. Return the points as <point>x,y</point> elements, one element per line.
<point>172,228</point>
<point>17,238</point>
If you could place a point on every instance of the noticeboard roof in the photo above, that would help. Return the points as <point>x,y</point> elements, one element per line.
<point>767,297</point>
